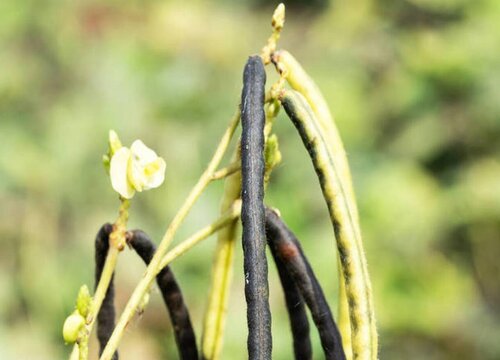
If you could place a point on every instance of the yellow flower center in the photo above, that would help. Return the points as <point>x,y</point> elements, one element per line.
<point>152,167</point>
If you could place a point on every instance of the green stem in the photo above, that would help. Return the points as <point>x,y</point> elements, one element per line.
<point>83,348</point>
<point>154,266</point>
<point>183,247</point>
<point>117,241</point>
<point>227,171</point>
<point>213,324</point>
<point>75,353</point>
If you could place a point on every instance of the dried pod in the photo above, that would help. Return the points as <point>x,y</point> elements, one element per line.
<point>172,296</point>
<point>252,214</point>
<point>299,323</point>
<point>286,247</point>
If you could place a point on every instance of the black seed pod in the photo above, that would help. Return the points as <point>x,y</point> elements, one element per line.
<point>299,322</point>
<point>172,296</point>
<point>106,316</point>
<point>252,214</point>
<point>288,249</point>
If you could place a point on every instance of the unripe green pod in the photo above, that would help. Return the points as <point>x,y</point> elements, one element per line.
<point>72,326</point>
<point>346,227</point>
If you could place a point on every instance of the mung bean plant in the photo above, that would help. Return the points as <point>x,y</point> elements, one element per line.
<point>351,334</point>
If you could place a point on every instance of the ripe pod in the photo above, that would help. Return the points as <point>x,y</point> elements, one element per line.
<point>252,213</point>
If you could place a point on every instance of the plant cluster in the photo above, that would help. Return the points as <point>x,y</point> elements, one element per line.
<point>246,177</point>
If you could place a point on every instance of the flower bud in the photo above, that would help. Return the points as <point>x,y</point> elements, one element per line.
<point>272,152</point>
<point>72,326</point>
<point>83,301</point>
<point>278,19</point>
<point>114,142</point>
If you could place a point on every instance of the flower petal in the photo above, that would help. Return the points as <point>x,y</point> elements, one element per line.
<point>142,153</point>
<point>119,173</point>
<point>156,173</point>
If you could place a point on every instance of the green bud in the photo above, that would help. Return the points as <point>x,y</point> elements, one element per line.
<point>273,109</point>
<point>279,17</point>
<point>272,152</point>
<point>72,326</point>
<point>84,301</point>
<point>106,162</point>
<point>114,143</point>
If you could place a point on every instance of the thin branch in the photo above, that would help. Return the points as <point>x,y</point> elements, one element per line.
<point>227,171</point>
<point>106,314</point>
<point>232,214</point>
<point>215,314</point>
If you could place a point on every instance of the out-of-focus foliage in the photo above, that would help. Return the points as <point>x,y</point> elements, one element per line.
<point>414,86</point>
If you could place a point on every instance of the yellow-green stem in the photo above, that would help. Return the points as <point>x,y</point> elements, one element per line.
<point>83,348</point>
<point>227,171</point>
<point>75,353</point>
<point>116,244</point>
<point>213,325</point>
<point>232,214</point>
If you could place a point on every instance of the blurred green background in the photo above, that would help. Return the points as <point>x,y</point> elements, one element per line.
<point>415,89</point>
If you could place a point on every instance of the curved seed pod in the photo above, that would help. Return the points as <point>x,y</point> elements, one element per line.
<point>172,296</point>
<point>252,213</point>
<point>357,283</point>
<point>299,322</point>
<point>286,247</point>
<point>106,316</point>
<point>300,81</point>
<point>213,325</point>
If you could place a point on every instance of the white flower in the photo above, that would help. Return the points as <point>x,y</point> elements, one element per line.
<point>136,169</point>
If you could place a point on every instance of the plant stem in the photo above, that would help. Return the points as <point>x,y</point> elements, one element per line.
<point>183,247</point>
<point>117,241</point>
<point>75,353</point>
<point>215,314</point>
<point>83,348</point>
<point>102,287</point>
<point>185,337</point>
<point>227,171</point>
<point>154,266</point>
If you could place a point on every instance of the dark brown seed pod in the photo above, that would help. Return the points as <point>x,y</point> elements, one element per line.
<point>288,249</point>
<point>172,296</point>
<point>299,322</point>
<point>252,214</point>
<point>106,316</point>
